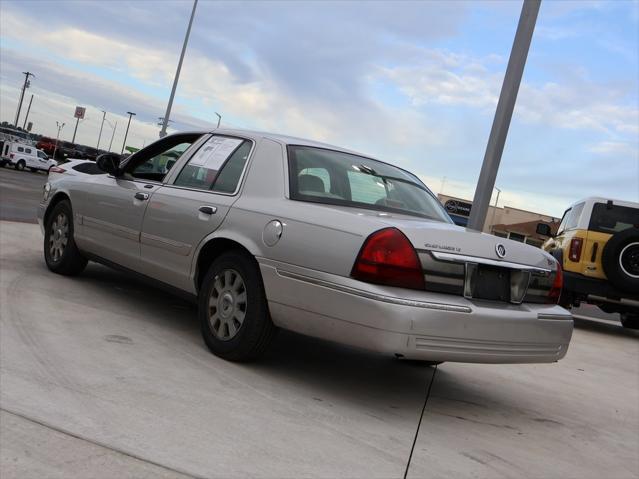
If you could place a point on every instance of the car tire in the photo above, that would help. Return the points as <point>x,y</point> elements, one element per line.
<point>630,320</point>
<point>234,316</point>
<point>620,260</point>
<point>60,251</point>
<point>20,165</point>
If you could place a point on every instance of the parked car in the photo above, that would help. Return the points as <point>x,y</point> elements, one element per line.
<point>597,244</point>
<point>267,231</point>
<point>22,156</point>
<point>47,145</point>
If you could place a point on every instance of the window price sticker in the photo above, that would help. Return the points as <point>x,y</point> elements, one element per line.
<point>215,152</point>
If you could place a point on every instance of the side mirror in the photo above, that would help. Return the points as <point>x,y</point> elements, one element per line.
<point>109,163</point>
<point>543,229</point>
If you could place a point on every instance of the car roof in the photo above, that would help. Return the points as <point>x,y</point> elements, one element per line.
<point>599,199</point>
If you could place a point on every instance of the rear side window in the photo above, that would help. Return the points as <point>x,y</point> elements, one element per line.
<point>28,150</point>
<point>613,219</point>
<point>571,218</point>
<point>217,166</point>
<point>20,149</point>
<point>90,168</point>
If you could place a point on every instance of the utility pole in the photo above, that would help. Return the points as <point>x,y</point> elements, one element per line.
<point>101,125</point>
<point>130,113</point>
<point>167,115</point>
<point>26,85</point>
<point>24,125</point>
<point>504,113</point>
<point>59,126</point>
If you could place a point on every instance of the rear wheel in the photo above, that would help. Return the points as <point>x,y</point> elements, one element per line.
<point>234,317</point>
<point>620,260</point>
<point>20,165</point>
<point>60,251</point>
<point>630,320</point>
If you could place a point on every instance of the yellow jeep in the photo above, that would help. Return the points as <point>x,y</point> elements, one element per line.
<point>597,245</point>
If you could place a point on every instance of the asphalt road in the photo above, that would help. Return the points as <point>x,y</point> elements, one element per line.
<point>102,377</point>
<point>20,193</point>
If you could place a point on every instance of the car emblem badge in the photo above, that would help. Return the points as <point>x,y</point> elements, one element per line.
<point>500,249</point>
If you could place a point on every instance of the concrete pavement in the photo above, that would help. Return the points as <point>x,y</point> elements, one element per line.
<point>20,193</point>
<point>119,371</point>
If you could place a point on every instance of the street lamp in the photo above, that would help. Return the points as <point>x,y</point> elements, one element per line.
<point>59,126</point>
<point>165,120</point>
<point>101,125</point>
<point>130,113</point>
<point>113,128</point>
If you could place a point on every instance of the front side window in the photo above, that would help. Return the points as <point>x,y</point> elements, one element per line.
<point>333,177</point>
<point>156,160</point>
<point>42,155</point>
<point>613,219</point>
<point>217,166</point>
<point>571,218</point>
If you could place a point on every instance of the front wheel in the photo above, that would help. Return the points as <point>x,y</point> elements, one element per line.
<point>60,252</point>
<point>234,317</point>
<point>630,320</point>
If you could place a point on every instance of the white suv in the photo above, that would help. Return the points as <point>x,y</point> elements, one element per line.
<point>22,156</point>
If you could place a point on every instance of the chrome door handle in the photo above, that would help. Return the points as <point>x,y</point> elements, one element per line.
<point>141,196</point>
<point>208,210</point>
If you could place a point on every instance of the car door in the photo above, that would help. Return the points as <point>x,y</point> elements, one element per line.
<point>191,206</point>
<point>43,160</point>
<point>113,208</point>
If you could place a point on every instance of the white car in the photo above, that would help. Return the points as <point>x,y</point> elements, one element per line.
<point>22,156</point>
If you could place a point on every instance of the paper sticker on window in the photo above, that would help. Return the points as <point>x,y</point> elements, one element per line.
<point>215,152</point>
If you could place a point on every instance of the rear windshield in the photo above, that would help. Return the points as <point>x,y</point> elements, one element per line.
<point>613,218</point>
<point>332,177</point>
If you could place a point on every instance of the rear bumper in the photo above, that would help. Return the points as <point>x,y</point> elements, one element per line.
<point>417,324</point>
<point>584,287</point>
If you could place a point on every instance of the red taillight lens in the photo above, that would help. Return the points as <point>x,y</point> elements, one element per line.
<point>575,249</point>
<point>555,291</point>
<point>388,257</point>
<point>56,169</point>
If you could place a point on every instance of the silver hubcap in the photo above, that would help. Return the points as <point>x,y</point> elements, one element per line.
<point>58,236</point>
<point>227,304</point>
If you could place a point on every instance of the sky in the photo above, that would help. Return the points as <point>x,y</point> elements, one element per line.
<point>412,83</point>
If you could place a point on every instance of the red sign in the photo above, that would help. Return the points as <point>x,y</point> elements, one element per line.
<point>79,112</point>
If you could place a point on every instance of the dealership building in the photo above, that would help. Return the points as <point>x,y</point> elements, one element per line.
<point>506,222</point>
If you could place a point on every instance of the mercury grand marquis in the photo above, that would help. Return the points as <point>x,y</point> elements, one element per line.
<point>267,231</point>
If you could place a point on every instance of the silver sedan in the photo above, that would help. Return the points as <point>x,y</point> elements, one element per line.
<point>266,231</point>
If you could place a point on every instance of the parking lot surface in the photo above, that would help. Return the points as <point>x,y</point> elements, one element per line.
<point>20,193</point>
<point>101,376</point>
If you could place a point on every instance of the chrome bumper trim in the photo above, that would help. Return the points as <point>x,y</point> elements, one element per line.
<point>560,317</point>
<point>374,296</point>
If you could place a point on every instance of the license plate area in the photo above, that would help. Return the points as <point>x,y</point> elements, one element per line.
<point>494,283</point>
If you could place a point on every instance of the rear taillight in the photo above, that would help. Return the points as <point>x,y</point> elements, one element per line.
<point>555,291</point>
<point>575,249</point>
<point>56,169</point>
<point>388,258</point>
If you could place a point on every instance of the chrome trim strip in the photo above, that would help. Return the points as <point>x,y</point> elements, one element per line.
<point>563,317</point>
<point>461,258</point>
<point>117,230</point>
<point>375,296</point>
<point>177,247</point>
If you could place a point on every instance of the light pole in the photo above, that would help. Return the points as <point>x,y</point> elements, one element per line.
<point>165,121</point>
<point>101,125</point>
<point>112,133</point>
<point>130,113</point>
<point>59,126</point>
<point>492,219</point>
<point>503,113</point>
<point>26,85</point>
<point>219,119</point>
<point>77,122</point>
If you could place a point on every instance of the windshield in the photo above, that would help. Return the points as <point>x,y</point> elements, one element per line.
<point>332,177</point>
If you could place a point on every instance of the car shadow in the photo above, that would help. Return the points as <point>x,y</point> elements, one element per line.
<point>328,369</point>
<point>604,326</point>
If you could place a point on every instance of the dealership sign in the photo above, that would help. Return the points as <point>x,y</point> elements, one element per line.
<point>457,207</point>
<point>79,112</point>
